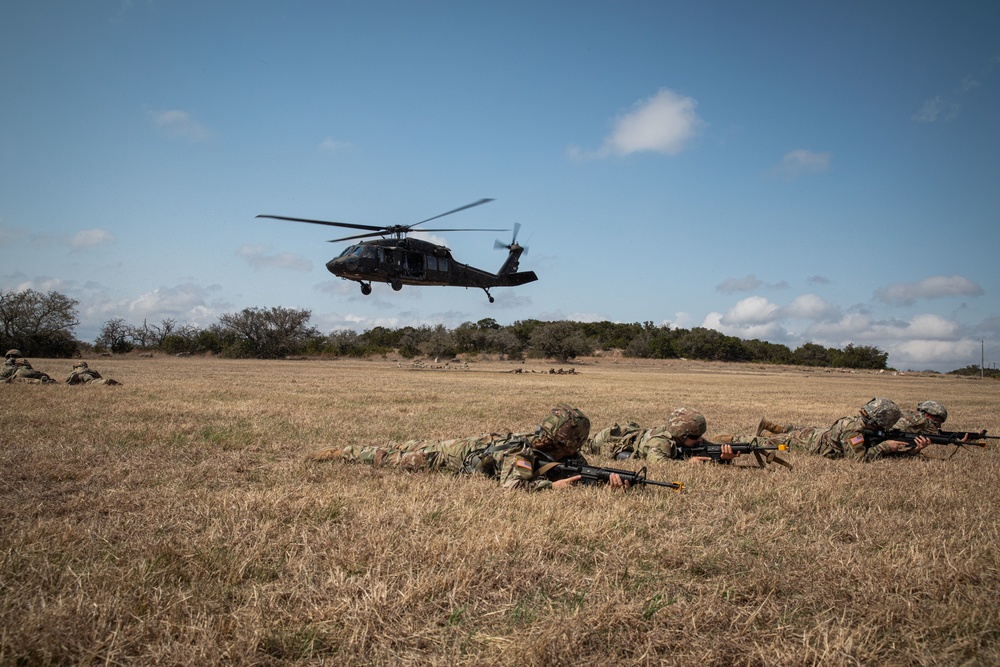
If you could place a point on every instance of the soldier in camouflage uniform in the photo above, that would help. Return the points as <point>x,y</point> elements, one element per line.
<point>513,458</point>
<point>18,369</point>
<point>845,438</point>
<point>82,374</point>
<point>684,429</point>
<point>927,418</point>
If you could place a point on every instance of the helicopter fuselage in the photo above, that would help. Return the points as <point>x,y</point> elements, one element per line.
<point>403,260</point>
<point>410,261</point>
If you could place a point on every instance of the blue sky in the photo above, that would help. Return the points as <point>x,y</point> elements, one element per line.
<point>793,171</point>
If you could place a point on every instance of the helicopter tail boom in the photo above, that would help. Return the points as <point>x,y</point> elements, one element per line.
<point>515,279</point>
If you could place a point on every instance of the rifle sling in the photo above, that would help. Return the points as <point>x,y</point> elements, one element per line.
<point>547,467</point>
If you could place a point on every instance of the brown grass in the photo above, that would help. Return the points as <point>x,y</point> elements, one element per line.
<point>173,521</point>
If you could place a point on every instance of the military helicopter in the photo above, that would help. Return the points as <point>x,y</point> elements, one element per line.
<point>401,260</point>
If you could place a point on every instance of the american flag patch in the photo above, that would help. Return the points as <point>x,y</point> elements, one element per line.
<point>522,463</point>
<point>857,440</point>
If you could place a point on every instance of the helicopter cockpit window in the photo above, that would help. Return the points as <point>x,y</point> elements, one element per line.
<point>369,252</point>
<point>432,264</point>
<point>357,251</point>
<point>347,251</point>
<point>442,264</point>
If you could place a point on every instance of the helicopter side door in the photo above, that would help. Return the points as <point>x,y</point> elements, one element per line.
<point>413,265</point>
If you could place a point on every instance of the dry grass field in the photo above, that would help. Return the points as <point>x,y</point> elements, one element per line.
<point>173,521</point>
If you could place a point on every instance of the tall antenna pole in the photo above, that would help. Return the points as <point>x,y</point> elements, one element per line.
<point>982,358</point>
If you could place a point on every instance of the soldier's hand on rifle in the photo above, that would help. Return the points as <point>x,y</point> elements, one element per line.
<point>727,453</point>
<point>899,446</point>
<point>566,483</point>
<point>616,481</point>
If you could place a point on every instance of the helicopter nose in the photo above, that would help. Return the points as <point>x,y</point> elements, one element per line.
<point>338,265</point>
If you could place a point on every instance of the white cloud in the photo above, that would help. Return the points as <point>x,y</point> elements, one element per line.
<point>921,354</point>
<point>930,327</point>
<point>851,326</point>
<point>801,161</point>
<point>934,287</point>
<point>969,83</point>
<point>89,238</point>
<point>179,123</point>
<point>680,321</point>
<point>924,341</point>
<point>936,109</point>
<point>43,284</point>
<point>810,307</point>
<point>745,284</point>
<point>748,323</point>
<point>167,301</point>
<point>751,311</point>
<point>664,123</point>
<point>259,257</point>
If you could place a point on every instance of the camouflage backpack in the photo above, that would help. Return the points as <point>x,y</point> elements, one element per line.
<point>617,441</point>
<point>484,459</point>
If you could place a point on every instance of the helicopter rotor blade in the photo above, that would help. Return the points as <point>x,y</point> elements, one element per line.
<point>498,244</point>
<point>348,225</point>
<point>457,230</point>
<point>461,208</point>
<point>367,235</point>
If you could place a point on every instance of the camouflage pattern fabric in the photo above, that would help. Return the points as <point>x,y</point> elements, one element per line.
<point>514,463</point>
<point>20,370</point>
<point>88,376</point>
<point>844,439</point>
<point>914,421</point>
<point>653,444</point>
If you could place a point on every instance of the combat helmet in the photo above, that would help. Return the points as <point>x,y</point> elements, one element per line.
<point>80,364</point>
<point>566,425</point>
<point>934,409</point>
<point>883,412</point>
<point>13,354</point>
<point>685,422</point>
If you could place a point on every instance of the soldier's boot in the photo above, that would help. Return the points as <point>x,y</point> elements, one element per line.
<point>767,426</point>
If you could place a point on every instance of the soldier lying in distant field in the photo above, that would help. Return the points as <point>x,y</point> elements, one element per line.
<point>82,374</point>
<point>18,369</point>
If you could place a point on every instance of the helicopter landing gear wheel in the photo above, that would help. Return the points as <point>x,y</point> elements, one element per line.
<point>366,289</point>
<point>488,295</point>
<point>395,284</point>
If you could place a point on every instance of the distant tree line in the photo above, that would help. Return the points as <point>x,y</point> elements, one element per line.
<point>280,332</point>
<point>41,325</point>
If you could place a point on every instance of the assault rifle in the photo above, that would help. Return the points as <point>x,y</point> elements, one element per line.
<point>943,438</point>
<point>973,435</point>
<point>764,453</point>
<point>593,475</point>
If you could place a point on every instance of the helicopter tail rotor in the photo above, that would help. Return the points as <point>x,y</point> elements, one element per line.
<point>500,245</point>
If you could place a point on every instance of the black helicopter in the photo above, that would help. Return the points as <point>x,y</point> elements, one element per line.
<point>402,260</point>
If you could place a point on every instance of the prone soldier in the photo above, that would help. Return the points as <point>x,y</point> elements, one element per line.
<point>517,460</point>
<point>847,437</point>
<point>18,369</point>
<point>83,374</point>
<point>675,440</point>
